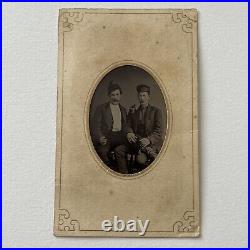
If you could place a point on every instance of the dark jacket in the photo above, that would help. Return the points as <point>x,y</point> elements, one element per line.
<point>153,125</point>
<point>102,123</point>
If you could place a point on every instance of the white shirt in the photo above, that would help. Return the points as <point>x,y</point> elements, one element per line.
<point>117,117</point>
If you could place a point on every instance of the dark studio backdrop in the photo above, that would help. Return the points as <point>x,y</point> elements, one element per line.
<point>128,77</point>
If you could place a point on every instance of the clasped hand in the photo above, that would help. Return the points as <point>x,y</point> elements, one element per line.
<point>132,138</point>
<point>144,142</point>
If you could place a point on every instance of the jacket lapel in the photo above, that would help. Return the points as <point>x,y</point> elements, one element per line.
<point>108,115</point>
<point>123,113</point>
<point>147,116</point>
<point>136,119</point>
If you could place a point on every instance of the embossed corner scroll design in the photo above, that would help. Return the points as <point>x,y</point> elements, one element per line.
<point>187,224</point>
<point>65,223</point>
<point>69,19</point>
<point>186,18</point>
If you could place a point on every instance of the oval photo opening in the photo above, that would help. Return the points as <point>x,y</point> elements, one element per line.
<point>127,120</point>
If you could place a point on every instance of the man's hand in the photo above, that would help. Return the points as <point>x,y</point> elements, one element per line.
<point>131,137</point>
<point>144,142</point>
<point>103,140</point>
<point>151,152</point>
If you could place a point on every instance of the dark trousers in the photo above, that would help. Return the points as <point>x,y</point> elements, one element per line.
<point>114,140</point>
<point>123,150</point>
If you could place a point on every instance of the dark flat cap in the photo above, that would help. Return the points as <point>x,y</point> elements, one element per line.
<point>143,88</point>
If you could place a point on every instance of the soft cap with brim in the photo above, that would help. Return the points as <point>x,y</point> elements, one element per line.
<point>143,88</point>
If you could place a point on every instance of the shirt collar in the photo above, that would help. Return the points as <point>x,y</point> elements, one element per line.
<point>143,108</point>
<point>114,105</point>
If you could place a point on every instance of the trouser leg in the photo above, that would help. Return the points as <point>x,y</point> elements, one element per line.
<point>102,151</point>
<point>121,158</point>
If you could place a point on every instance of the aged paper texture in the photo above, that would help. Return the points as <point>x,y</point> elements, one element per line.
<point>127,135</point>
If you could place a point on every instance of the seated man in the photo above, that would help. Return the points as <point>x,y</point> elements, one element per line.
<point>143,131</point>
<point>108,129</point>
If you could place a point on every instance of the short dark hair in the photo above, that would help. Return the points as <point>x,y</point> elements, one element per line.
<point>114,86</point>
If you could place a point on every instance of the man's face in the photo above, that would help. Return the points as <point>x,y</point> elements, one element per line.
<point>115,97</point>
<point>143,98</point>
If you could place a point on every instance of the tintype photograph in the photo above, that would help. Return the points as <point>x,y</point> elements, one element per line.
<point>128,119</point>
<point>127,123</point>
